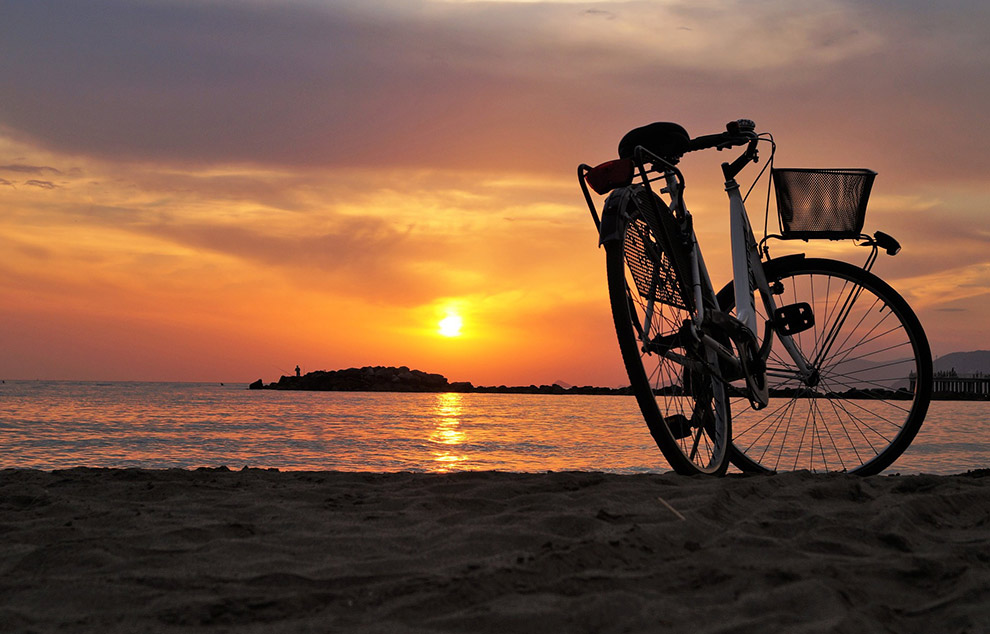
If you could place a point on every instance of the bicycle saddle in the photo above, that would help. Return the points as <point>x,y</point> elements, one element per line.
<point>667,140</point>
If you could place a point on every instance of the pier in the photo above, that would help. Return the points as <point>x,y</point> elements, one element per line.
<point>950,381</point>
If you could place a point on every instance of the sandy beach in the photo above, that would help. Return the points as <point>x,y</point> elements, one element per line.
<point>212,550</point>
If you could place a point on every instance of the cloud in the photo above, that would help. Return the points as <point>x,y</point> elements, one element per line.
<point>935,290</point>
<point>600,13</point>
<point>395,237</point>
<point>478,85</point>
<point>25,250</point>
<point>41,184</point>
<point>399,248</point>
<point>29,169</point>
<point>240,82</point>
<point>361,256</point>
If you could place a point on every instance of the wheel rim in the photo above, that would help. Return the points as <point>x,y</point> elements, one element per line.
<point>860,414</point>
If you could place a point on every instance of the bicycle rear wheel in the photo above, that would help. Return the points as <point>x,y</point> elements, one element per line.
<point>872,382</point>
<point>685,407</point>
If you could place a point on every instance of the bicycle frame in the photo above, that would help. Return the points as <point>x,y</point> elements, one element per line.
<point>748,278</point>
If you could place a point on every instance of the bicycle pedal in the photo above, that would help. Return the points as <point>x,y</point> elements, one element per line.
<point>679,425</point>
<point>793,318</point>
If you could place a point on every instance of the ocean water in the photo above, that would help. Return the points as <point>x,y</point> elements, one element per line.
<point>64,424</point>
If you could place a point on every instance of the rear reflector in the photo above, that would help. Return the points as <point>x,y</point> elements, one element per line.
<point>609,175</point>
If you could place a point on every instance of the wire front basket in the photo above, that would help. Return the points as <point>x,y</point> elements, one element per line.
<point>822,203</point>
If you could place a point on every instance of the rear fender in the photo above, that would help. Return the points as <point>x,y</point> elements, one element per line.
<point>611,229</point>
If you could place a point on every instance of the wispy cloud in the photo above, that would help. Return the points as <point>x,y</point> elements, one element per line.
<point>29,169</point>
<point>937,289</point>
<point>427,238</point>
<point>41,184</point>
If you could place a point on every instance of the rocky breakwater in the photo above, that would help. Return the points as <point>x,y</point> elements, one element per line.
<point>367,379</point>
<point>402,379</point>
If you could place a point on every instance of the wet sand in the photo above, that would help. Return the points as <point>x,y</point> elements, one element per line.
<point>97,550</point>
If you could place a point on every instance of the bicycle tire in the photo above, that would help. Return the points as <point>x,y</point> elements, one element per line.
<point>874,368</point>
<point>685,408</point>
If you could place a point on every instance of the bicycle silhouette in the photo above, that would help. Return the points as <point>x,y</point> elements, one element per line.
<point>798,362</point>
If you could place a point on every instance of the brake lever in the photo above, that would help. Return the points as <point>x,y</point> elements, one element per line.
<point>731,170</point>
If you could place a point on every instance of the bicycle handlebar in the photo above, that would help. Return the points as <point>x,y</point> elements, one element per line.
<point>708,141</point>
<point>738,132</point>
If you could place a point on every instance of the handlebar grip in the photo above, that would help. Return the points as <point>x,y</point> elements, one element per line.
<point>721,140</point>
<point>707,141</point>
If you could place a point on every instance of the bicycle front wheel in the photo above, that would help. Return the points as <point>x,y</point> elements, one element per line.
<point>871,378</point>
<point>685,407</point>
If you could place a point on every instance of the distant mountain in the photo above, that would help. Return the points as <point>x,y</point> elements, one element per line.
<point>964,362</point>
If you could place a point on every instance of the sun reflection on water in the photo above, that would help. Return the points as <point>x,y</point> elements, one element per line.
<point>447,435</point>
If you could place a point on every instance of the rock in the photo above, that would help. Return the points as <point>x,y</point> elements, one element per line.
<point>402,379</point>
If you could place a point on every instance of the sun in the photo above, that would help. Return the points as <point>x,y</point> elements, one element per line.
<point>450,326</point>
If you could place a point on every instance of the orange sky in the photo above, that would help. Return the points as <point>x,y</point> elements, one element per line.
<point>221,190</point>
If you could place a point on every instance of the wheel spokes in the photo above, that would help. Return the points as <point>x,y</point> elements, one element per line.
<point>860,402</point>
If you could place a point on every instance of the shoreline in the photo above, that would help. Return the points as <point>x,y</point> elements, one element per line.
<point>402,379</point>
<point>256,550</point>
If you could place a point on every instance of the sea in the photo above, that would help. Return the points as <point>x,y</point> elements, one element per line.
<point>63,424</point>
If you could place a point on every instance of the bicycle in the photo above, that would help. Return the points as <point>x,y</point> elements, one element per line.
<point>798,362</point>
